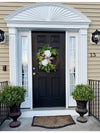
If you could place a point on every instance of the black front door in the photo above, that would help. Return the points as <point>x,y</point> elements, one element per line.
<point>48,89</point>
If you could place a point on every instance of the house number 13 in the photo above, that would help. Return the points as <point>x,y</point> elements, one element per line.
<point>92,54</point>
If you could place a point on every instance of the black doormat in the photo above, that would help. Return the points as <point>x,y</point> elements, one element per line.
<point>52,121</point>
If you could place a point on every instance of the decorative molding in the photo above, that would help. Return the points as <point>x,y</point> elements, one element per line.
<point>83,56</point>
<point>83,31</point>
<point>13,55</point>
<point>49,12</point>
<point>49,26</point>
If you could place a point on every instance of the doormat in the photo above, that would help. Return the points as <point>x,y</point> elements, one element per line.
<point>52,121</point>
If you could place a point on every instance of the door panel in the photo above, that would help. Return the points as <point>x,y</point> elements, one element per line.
<point>49,89</point>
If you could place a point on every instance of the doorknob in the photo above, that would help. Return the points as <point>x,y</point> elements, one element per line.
<point>34,73</point>
<point>33,68</point>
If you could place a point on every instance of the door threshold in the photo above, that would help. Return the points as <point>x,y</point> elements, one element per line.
<point>48,112</point>
<point>50,108</point>
<point>47,108</point>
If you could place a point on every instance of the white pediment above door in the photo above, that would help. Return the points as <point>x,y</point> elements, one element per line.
<point>48,12</point>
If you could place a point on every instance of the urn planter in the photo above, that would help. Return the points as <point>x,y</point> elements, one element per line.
<point>14,114</point>
<point>81,109</point>
<point>12,97</point>
<point>82,94</point>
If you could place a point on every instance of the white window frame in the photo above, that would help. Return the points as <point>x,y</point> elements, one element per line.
<point>28,97</point>
<point>71,101</point>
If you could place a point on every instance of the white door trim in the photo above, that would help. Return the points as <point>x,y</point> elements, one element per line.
<point>80,79</point>
<point>20,20</point>
<point>66,67</point>
<point>82,65</point>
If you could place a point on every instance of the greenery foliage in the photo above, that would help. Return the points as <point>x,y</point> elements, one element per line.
<point>83,93</point>
<point>12,95</point>
<point>49,67</point>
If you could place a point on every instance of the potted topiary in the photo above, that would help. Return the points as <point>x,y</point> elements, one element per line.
<point>13,96</point>
<point>82,94</point>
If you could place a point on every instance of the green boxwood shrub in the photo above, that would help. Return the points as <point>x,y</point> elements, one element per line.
<point>11,95</point>
<point>83,93</point>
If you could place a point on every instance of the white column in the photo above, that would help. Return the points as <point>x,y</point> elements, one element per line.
<point>13,56</point>
<point>82,56</point>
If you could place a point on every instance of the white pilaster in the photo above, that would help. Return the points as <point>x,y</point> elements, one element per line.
<point>83,56</point>
<point>13,56</point>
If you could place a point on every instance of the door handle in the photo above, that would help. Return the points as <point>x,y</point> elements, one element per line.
<point>34,74</point>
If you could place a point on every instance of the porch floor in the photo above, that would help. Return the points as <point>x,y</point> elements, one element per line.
<point>91,125</point>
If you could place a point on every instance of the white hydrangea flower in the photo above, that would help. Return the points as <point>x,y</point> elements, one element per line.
<point>47,53</point>
<point>45,62</point>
